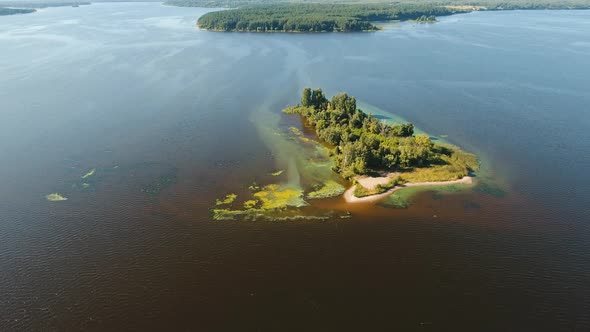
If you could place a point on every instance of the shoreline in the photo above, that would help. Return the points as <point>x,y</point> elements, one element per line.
<point>350,198</point>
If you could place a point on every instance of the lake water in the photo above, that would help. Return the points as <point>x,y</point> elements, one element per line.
<point>172,118</point>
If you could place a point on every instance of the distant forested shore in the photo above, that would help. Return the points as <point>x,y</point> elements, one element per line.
<point>488,4</point>
<point>14,11</point>
<point>28,5</point>
<point>315,17</point>
<point>345,15</point>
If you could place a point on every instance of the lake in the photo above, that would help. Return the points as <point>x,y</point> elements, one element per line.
<point>171,118</point>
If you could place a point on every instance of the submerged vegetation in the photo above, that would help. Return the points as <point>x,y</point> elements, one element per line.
<point>362,144</point>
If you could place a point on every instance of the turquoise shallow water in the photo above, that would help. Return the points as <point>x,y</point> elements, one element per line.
<point>137,92</point>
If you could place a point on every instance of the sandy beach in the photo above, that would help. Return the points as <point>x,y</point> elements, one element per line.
<point>350,198</point>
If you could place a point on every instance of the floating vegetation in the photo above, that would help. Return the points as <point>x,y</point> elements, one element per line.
<point>295,131</point>
<point>227,214</point>
<point>85,185</point>
<point>55,197</point>
<point>254,187</point>
<point>266,201</point>
<point>299,135</point>
<point>274,197</point>
<point>89,174</point>
<point>329,189</point>
<point>277,173</point>
<point>257,214</point>
<point>250,204</point>
<point>229,198</point>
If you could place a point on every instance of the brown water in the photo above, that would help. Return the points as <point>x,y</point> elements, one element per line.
<point>136,92</point>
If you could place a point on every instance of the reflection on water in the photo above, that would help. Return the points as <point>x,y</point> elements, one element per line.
<point>172,118</point>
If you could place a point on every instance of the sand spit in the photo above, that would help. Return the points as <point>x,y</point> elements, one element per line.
<point>350,198</point>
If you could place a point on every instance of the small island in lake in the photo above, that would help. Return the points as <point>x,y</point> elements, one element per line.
<point>380,158</point>
<point>349,148</point>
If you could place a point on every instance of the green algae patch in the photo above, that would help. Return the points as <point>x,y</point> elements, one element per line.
<point>270,202</point>
<point>229,198</point>
<point>55,197</point>
<point>329,189</point>
<point>277,173</point>
<point>250,204</point>
<point>274,197</point>
<point>295,131</point>
<point>89,174</point>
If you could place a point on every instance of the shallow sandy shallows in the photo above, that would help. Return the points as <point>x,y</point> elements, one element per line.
<point>370,183</point>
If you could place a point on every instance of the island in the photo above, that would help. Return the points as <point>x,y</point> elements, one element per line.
<point>377,157</point>
<point>342,152</point>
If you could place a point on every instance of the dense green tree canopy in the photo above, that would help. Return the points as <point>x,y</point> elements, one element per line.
<point>362,142</point>
<point>315,17</point>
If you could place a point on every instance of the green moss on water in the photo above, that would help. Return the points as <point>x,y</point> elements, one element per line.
<point>55,197</point>
<point>250,204</point>
<point>229,198</point>
<point>266,202</point>
<point>277,173</point>
<point>275,197</point>
<point>295,131</point>
<point>89,174</point>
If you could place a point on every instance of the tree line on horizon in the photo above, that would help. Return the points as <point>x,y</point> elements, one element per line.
<point>315,17</point>
<point>488,4</point>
